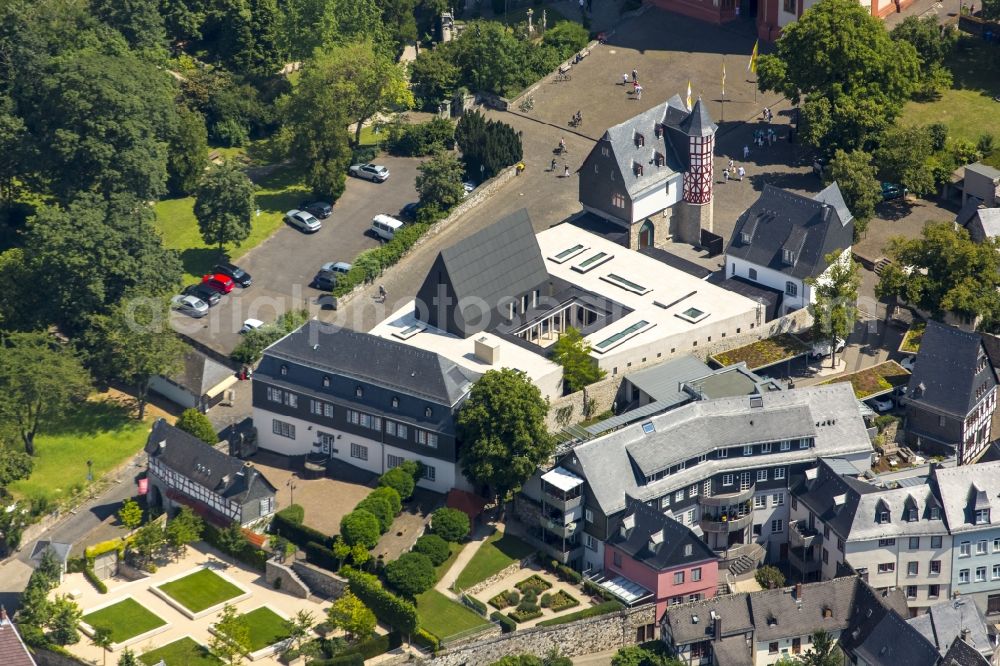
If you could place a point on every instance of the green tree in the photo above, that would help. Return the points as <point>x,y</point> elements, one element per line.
<point>252,39</point>
<point>148,542</point>
<point>502,425</point>
<point>434,547</point>
<point>391,496</point>
<point>130,514</point>
<point>933,43</point>
<point>39,381</point>
<point>128,658</point>
<point>411,574</point>
<point>380,508</point>
<point>642,655</point>
<point>398,18</point>
<point>450,524</point>
<point>254,343</point>
<point>572,352</point>
<point>824,651</point>
<point>341,549</point>
<point>434,76</point>
<point>15,464</point>
<point>836,306</point>
<point>488,146</point>
<point>855,176</point>
<point>101,638</point>
<point>224,205</point>
<point>360,527</point>
<point>991,9</point>
<point>298,627</point>
<point>854,78</point>
<point>944,271</point>
<point>64,619</point>
<point>35,605</point>
<point>184,528</point>
<point>139,22</point>
<point>231,640</point>
<point>232,539</point>
<point>194,422</point>
<point>187,152</point>
<point>566,37</point>
<point>351,615</point>
<point>14,148</point>
<point>491,58</point>
<point>769,578</point>
<point>439,182</point>
<point>398,479</point>
<point>902,158</point>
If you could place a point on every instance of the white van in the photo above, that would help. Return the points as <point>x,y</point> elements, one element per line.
<point>385,227</point>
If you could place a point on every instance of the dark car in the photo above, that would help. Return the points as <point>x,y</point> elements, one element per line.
<point>892,191</point>
<point>319,209</point>
<point>204,292</point>
<point>325,281</point>
<point>410,210</point>
<point>237,274</point>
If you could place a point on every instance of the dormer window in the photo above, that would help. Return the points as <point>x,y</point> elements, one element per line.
<point>326,381</point>
<point>935,513</point>
<point>428,412</point>
<point>688,550</point>
<point>882,512</point>
<point>395,401</point>
<point>981,365</point>
<point>788,257</point>
<point>911,515</point>
<point>359,392</point>
<point>660,159</point>
<point>637,168</point>
<point>744,238</point>
<point>284,369</point>
<point>640,140</point>
<point>883,516</point>
<point>659,131</point>
<point>982,516</point>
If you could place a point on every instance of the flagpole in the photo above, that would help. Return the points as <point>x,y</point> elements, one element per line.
<point>723,119</point>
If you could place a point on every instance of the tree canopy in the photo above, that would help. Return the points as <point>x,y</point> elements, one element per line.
<point>854,174</point>
<point>224,205</point>
<point>836,306</point>
<point>572,352</point>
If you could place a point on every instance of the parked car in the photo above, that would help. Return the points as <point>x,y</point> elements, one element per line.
<point>884,403</point>
<point>410,210</point>
<point>892,191</point>
<point>238,275</point>
<point>303,221</point>
<point>823,348</point>
<point>373,172</point>
<point>326,277</point>
<point>251,325</point>
<point>203,292</point>
<point>909,362</point>
<point>192,306</point>
<point>219,282</point>
<point>319,209</point>
<point>468,186</point>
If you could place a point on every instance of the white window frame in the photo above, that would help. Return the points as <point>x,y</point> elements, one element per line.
<point>762,475</point>
<point>779,473</point>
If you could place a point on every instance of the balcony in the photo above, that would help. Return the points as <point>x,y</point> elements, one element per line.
<point>727,499</point>
<point>800,535</point>
<point>562,501</point>
<point>723,524</point>
<point>558,526</point>
<point>556,549</point>
<point>804,560</point>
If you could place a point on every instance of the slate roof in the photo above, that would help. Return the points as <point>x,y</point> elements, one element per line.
<point>194,459</point>
<point>780,613</point>
<point>380,361</point>
<point>779,220</point>
<point>984,224</point>
<point>732,608</point>
<point>200,374</point>
<point>962,654</point>
<point>13,651</point>
<point>945,378</point>
<point>960,487</point>
<point>943,623</point>
<point>677,123</point>
<point>669,539</point>
<point>984,169</point>
<point>828,413</point>
<point>880,636</point>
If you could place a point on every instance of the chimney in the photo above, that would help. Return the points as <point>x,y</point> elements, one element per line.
<point>965,632</point>
<point>4,620</point>
<point>798,591</point>
<point>717,627</point>
<point>486,351</point>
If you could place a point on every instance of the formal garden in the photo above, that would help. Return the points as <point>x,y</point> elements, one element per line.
<point>201,590</point>
<point>124,620</point>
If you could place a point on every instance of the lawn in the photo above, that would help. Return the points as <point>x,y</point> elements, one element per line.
<point>278,192</point>
<point>98,430</point>
<point>266,628</point>
<point>200,590</point>
<point>124,620</point>
<point>967,108</point>
<point>499,551</point>
<point>913,337</point>
<point>443,568</point>
<point>876,379</point>
<point>443,617</point>
<point>763,353</point>
<point>184,652</point>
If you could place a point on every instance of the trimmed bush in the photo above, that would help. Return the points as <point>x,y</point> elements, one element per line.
<point>421,139</point>
<point>433,547</point>
<point>593,611</point>
<point>321,556</point>
<point>533,583</point>
<point>297,533</point>
<point>529,597</point>
<point>411,574</point>
<point>394,611</point>
<point>248,554</point>
<point>513,597</point>
<point>195,423</point>
<point>569,574</point>
<point>369,265</point>
<point>391,495</point>
<point>475,604</point>
<point>426,639</point>
<point>450,524</point>
<point>95,581</point>
<point>507,625</point>
<point>546,600</point>
<point>560,601</point>
<point>293,513</point>
<point>398,479</point>
<point>525,612</point>
<point>769,577</point>
<point>501,601</point>
<point>372,647</point>
<point>380,508</point>
<point>596,590</point>
<point>104,547</point>
<point>360,527</point>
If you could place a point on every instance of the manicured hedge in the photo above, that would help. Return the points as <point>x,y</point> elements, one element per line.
<point>294,513</point>
<point>104,547</point>
<point>94,580</point>
<point>250,555</point>
<point>475,604</point>
<point>426,639</point>
<point>321,556</point>
<point>530,612</point>
<point>596,590</point>
<point>507,625</point>
<point>594,611</point>
<point>369,264</point>
<point>569,574</point>
<point>395,611</point>
<point>352,659</point>
<point>373,647</point>
<point>298,534</point>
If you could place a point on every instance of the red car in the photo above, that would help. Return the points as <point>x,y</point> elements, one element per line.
<point>219,282</point>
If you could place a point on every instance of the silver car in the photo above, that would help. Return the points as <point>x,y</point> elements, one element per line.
<point>192,306</point>
<point>303,221</point>
<point>373,172</point>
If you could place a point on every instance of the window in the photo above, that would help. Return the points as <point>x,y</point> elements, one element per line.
<point>993,604</point>
<point>760,501</point>
<point>765,448</point>
<point>963,576</point>
<point>982,516</point>
<point>942,421</point>
<point>996,572</point>
<point>326,381</point>
<point>679,578</point>
<point>794,502</point>
<point>748,450</point>
<point>785,445</point>
<point>826,556</point>
<point>618,200</point>
<point>762,475</point>
<point>752,273</point>
<point>936,542</point>
<point>723,453</point>
<point>911,515</point>
<point>980,574</point>
<point>981,547</point>
<point>427,438</point>
<point>358,451</point>
<point>912,568</point>
<point>933,591</point>
<point>804,443</point>
<point>393,462</point>
<point>840,544</point>
<point>777,526</point>
<point>693,490</point>
<point>887,567</point>
<point>693,597</point>
<point>359,392</point>
<point>273,394</point>
<point>758,529</point>
<point>291,399</point>
<point>588,515</point>
<point>696,574</point>
<point>965,549</point>
<point>727,479</point>
<point>779,473</point>
<point>885,543</point>
<point>911,591</point>
<point>883,516</point>
<point>283,429</point>
<point>996,545</point>
<point>703,457</point>
<point>679,496</point>
<point>778,499</point>
<point>690,519</point>
<point>791,6</point>
<point>706,488</point>
<point>430,472</point>
<point>665,501</point>
<point>935,513</point>
<point>616,558</point>
<point>914,543</point>
<point>396,429</point>
<point>791,289</point>
<point>935,567</point>
<point>772,647</point>
<point>591,542</point>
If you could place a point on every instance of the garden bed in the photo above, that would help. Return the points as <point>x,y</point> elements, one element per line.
<point>524,615</point>
<point>505,599</point>
<point>266,628</point>
<point>499,552</point>
<point>560,601</point>
<point>876,380</point>
<point>763,353</point>
<point>914,335</point>
<point>185,652</point>
<point>199,593</point>
<point>125,619</point>
<point>533,583</point>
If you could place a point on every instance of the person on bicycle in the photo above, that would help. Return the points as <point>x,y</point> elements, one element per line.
<point>579,117</point>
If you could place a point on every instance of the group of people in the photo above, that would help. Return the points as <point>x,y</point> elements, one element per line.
<point>763,137</point>
<point>636,88</point>
<point>733,172</point>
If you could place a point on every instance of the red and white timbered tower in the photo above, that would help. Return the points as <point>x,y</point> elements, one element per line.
<point>701,150</point>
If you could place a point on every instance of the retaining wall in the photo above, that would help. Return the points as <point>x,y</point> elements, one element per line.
<point>500,575</point>
<point>322,583</point>
<point>289,582</point>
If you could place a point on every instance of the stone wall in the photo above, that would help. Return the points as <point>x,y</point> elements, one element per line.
<point>503,573</point>
<point>595,634</point>
<point>795,322</point>
<point>569,409</point>
<point>128,572</point>
<point>287,581</point>
<point>322,583</point>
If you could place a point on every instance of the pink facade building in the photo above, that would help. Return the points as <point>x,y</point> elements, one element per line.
<point>650,556</point>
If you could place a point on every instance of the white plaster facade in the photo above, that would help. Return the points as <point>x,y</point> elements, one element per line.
<point>798,293</point>
<point>656,199</point>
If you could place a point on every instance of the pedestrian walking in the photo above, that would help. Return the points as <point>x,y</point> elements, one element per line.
<point>565,171</point>
<point>729,167</point>
<point>638,92</point>
<point>553,167</point>
<point>581,6</point>
<point>624,79</point>
<point>381,294</point>
<point>741,172</point>
<point>635,76</point>
<point>746,152</point>
<point>725,175</point>
<point>764,114</point>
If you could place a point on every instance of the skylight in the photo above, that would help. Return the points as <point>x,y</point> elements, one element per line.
<point>648,427</point>
<point>409,331</point>
<point>593,262</point>
<point>625,284</point>
<point>621,336</point>
<point>693,315</point>
<point>568,253</point>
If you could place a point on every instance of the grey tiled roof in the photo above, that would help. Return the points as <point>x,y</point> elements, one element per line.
<point>958,488</point>
<point>200,374</point>
<point>732,608</point>
<point>13,651</point>
<point>780,614</point>
<point>880,636</point>
<point>673,537</point>
<point>780,220</point>
<point>962,654</point>
<point>945,377</point>
<point>829,413</point>
<point>663,381</point>
<point>944,622</point>
<point>380,361</point>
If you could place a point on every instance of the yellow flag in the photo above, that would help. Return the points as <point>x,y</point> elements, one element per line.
<point>752,66</point>
<point>689,94</point>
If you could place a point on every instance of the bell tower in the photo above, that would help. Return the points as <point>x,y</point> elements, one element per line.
<point>697,205</point>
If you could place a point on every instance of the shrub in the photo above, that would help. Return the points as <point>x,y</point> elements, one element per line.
<point>369,264</point>
<point>95,581</point>
<point>475,604</point>
<point>985,144</point>
<point>103,547</point>
<point>525,612</point>
<point>939,135</point>
<point>195,423</point>
<point>596,590</point>
<point>372,647</point>
<point>566,37</point>
<point>380,508</point>
<point>293,513</point>
<point>360,527</point>
<point>450,524</point>
<point>769,577</point>
<point>398,613</point>
<point>363,154</point>
<point>546,600</point>
<point>506,624</point>
<point>569,574</point>
<point>411,574</point>
<point>245,551</point>
<point>434,547</point>
<point>426,639</point>
<point>533,583</point>
<point>561,601</point>
<point>513,597</point>
<point>421,139</point>
<point>296,532</point>
<point>321,556</point>
<point>593,611</point>
<point>392,496</point>
<point>488,146</point>
<point>529,597</point>
<point>253,344</point>
<point>501,601</point>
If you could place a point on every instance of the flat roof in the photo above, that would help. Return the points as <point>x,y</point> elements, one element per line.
<point>666,301</point>
<point>562,479</point>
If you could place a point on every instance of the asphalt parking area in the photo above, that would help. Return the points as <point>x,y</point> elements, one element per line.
<point>283,265</point>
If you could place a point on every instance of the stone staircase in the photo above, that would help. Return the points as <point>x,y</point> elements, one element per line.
<point>881,264</point>
<point>742,565</point>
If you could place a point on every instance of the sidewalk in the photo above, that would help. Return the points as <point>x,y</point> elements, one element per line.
<point>476,541</point>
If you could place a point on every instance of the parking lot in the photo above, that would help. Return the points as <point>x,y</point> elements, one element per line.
<point>283,266</point>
